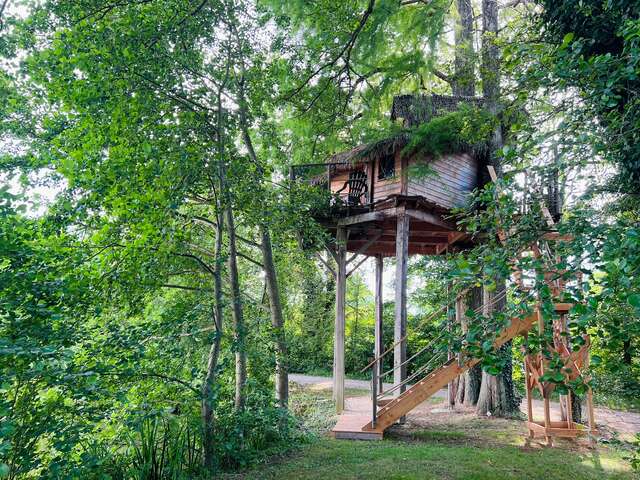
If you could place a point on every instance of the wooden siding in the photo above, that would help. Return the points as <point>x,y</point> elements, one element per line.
<point>338,180</point>
<point>381,188</point>
<point>454,177</point>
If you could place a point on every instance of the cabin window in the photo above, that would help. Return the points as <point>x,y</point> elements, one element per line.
<point>387,167</point>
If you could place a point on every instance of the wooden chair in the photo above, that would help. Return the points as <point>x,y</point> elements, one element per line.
<point>357,188</point>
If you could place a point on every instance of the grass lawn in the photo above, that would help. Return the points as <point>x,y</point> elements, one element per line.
<point>436,446</point>
<point>436,459</point>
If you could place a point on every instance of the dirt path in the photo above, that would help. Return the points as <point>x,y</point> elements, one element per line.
<point>625,424</point>
<point>324,383</point>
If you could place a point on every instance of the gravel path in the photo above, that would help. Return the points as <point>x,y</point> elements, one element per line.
<point>626,424</point>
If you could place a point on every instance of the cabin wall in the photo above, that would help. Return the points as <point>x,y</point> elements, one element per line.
<point>455,175</point>
<point>381,188</point>
<point>338,180</point>
<point>391,186</point>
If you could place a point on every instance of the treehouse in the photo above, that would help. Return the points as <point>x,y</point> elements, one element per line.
<point>383,200</point>
<point>378,188</point>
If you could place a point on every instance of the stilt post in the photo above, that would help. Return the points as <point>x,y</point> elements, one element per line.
<point>400,325</point>
<point>338,345</point>
<point>379,340</point>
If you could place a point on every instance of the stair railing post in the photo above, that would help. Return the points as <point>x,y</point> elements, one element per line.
<point>374,393</point>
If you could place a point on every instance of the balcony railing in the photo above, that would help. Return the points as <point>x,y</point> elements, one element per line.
<point>353,192</point>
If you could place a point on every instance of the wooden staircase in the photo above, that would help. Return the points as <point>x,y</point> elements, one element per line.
<point>360,427</point>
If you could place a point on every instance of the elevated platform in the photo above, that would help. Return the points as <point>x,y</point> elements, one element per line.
<point>373,230</point>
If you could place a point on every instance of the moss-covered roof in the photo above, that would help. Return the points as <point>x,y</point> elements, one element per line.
<point>414,110</point>
<point>418,109</point>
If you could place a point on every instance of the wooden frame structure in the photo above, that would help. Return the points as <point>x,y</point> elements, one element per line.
<point>401,226</point>
<point>574,364</point>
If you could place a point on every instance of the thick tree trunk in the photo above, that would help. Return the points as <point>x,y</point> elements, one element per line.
<point>497,395</point>
<point>490,73</point>
<point>576,409</point>
<point>208,385</point>
<point>277,320</point>
<point>464,77</point>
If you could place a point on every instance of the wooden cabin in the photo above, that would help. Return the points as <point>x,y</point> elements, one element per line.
<point>372,183</point>
<point>370,188</point>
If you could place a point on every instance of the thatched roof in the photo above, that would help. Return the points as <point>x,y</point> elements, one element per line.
<point>418,109</point>
<point>414,110</point>
<point>370,151</point>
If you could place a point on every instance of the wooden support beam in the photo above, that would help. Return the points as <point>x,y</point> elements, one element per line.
<point>547,421</point>
<point>379,340</point>
<point>361,218</point>
<point>400,325</point>
<point>529,392</point>
<point>451,386</point>
<point>431,218</point>
<point>355,267</point>
<point>339,328</point>
<point>372,181</point>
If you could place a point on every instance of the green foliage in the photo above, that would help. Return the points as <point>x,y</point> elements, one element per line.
<point>133,109</point>
<point>467,128</point>
<point>590,48</point>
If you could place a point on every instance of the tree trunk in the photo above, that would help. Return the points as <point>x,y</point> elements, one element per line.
<point>208,426</point>
<point>497,396</point>
<point>576,409</point>
<point>464,77</point>
<point>207,407</point>
<point>277,320</point>
<point>490,73</point>
<point>627,352</point>
<point>470,381</point>
<point>236,311</point>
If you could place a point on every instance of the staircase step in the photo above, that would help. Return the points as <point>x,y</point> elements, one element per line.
<point>350,427</point>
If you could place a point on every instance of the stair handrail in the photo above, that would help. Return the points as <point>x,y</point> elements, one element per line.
<point>430,317</point>
<point>395,367</point>
<point>412,376</point>
<point>494,300</point>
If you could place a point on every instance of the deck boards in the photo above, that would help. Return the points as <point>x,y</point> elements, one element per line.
<point>349,427</point>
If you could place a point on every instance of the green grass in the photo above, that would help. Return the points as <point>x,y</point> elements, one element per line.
<point>393,459</point>
<point>450,447</point>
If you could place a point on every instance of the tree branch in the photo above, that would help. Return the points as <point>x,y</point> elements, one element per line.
<point>344,53</point>
<point>184,287</point>
<point>247,257</point>
<point>148,375</point>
